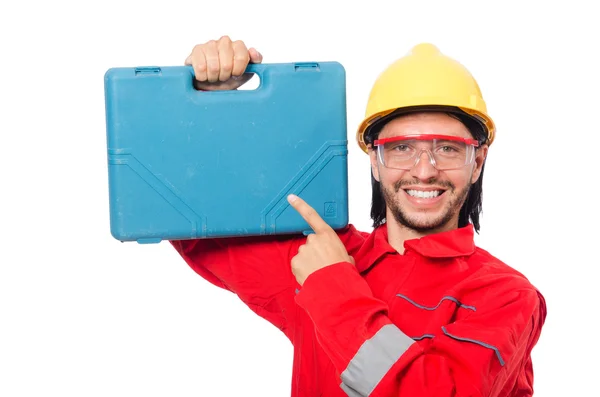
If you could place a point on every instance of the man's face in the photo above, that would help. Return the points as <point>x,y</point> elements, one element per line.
<point>403,191</point>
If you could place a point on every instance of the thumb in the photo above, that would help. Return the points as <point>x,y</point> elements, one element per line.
<point>352,260</point>
<point>255,56</point>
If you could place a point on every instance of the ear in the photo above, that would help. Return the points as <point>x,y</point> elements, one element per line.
<point>480,156</point>
<point>374,163</point>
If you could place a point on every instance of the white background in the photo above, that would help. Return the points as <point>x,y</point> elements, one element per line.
<point>84,315</point>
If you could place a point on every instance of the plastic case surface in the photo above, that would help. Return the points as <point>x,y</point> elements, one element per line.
<point>184,163</point>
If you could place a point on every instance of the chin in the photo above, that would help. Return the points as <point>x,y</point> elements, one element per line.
<point>424,214</point>
<point>422,222</point>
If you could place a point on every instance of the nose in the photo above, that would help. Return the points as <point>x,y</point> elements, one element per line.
<point>424,167</point>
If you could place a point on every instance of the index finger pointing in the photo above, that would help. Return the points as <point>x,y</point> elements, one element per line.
<point>309,214</point>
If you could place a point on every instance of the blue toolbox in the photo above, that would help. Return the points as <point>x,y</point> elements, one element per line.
<point>184,163</point>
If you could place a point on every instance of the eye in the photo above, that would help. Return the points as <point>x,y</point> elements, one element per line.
<point>401,148</point>
<point>448,149</point>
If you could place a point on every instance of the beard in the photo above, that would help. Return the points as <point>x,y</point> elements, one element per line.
<point>425,223</point>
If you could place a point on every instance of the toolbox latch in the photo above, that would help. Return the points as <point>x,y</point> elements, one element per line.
<point>147,70</point>
<point>306,67</point>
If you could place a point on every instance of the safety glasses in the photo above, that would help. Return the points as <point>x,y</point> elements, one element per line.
<point>445,152</point>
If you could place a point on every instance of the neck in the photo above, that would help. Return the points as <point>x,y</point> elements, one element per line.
<point>398,233</point>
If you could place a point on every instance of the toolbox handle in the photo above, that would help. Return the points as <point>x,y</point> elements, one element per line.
<point>257,68</point>
<point>265,72</point>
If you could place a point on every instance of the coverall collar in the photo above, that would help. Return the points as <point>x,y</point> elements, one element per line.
<point>450,244</point>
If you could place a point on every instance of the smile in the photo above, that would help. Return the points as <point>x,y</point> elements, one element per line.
<point>424,194</point>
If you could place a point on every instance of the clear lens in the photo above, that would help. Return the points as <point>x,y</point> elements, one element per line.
<point>443,154</point>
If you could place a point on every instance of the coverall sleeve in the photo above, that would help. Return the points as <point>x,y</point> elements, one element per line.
<point>256,269</point>
<point>486,354</point>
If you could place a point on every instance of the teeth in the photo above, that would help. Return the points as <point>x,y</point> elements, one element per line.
<point>422,194</point>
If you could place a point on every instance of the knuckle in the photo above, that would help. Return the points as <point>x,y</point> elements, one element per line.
<point>200,68</point>
<point>240,47</point>
<point>294,262</point>
<point>225,38</point>
<point>226,67</point>
<point>241,56</point>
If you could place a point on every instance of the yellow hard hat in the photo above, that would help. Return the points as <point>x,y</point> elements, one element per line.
<point>425,78</point>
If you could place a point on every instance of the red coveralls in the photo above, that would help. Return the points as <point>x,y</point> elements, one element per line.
<point>443,319</point>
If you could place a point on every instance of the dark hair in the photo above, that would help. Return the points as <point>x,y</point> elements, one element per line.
<point>472,206</point>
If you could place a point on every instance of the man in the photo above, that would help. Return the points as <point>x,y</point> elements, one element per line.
<point>413,308</point>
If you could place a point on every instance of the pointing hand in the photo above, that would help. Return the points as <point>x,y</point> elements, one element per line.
<point>323,248</point>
